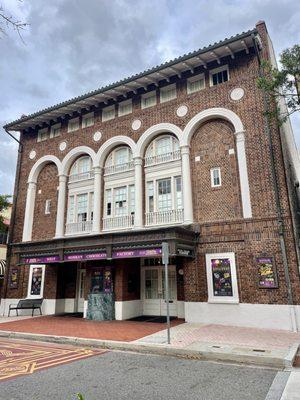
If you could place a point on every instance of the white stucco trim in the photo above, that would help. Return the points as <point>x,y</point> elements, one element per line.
<point>106,148</point>
<point>264,316</point>
<point>39,165</point>
<point>153,131</point>
<point>239,132</point>
<point>48,308</point>
<point>75,153</point>
<point>128,309</point>
<point>32,267</point>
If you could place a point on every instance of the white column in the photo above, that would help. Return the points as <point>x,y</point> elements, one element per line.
<point>186,185</point>
<point>243,172</point>
<point>97,199</point>
<point>61,202</point>
<point>138,187</point>
<point>29,211</point>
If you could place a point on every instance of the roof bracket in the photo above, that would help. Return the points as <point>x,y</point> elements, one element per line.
<point>202,62</point>
<point>245,46</point>
<point>213,53</point>
<point>230,52</point>
<point>189,66</point>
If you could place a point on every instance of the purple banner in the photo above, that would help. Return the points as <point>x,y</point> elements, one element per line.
<point>41,260</point>
<point>86,256</point>
<point>136,253</point>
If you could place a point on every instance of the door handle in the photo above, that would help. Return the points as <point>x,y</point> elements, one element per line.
<point>170,301</point>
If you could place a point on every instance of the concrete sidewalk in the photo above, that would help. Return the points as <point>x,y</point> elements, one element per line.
<point>270,348</point>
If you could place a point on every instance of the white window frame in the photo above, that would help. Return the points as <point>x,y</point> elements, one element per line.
<point>89,209</point>
<point>122,107</point>
<point>85,118</point>
<point>48,207</point>
<point>165,89</point>
<point>40,133</point>
<point>53,127</point>
<point>40,296</point>
<point>148,95</point>
<point>212,177</point>
<point>71,122</point>
<point>107,110</point>
<point>215,71</point>
<point>192,80</point>
<point>234,299</point>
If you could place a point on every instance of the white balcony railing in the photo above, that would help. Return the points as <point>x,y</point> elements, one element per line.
<point>82,176</point>
<point>164,217</point>
<point>121,222</point>
<point>115,169</point>
<point>163,158</point>
<point>79,227</point>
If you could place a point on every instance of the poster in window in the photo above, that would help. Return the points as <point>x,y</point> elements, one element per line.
<point>221,275</point>
<point>14,278</point>
<point>36,281</point>
<point>108,281</point>
<point>97,281</point>
<point>267,273</point>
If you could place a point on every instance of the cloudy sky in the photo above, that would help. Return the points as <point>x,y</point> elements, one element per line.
<point>74,46</point>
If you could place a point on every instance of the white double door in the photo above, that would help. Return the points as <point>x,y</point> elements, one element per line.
<point>153,291</point>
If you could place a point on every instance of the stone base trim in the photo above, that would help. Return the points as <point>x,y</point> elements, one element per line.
<point>128,309</point>
<point>49,307</point>
<point>264,316</point>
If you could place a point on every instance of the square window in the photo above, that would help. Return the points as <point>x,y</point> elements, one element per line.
<point>48,207</point>
<point>148,99</point>
<point>215,176</point>
<point>88,120</point>
<point>219,75</point>
<point>55,130</point>
<point>108,113</point>
<point>125,107</point>
<point>195,84</point>
<point>42,135</point>
<point>73,124</point>
<point>168,93</point>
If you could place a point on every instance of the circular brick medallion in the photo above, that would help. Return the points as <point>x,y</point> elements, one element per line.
<point>32,154</point>
<point>136,124</point>
<point>182,111</point>
<point>237,94</point>
<point>62,146</point>
<point>97,136</point>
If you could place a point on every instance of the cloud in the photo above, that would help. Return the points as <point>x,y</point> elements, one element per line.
<point>74,46</point>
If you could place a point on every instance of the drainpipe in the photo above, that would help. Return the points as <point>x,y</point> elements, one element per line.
<point>277,200</point>
<point>14,202</point>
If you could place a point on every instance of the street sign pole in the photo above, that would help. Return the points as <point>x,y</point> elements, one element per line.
<point>165,260</point>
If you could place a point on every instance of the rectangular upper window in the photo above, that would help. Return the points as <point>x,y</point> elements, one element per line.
<point>88,120</point>
<point>148,99</point>
<point>48,207</point>
<point>55,130</point>
<point>219,75</point>
<point>108,113</point>
<point>168,93</point>
<point>42,135</point>
<point>125,107</point>
<point>215,176</point>
<point>195,84</point>
<point>73,124</point>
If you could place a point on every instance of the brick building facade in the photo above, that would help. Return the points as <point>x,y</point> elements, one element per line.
<point>181,153</point>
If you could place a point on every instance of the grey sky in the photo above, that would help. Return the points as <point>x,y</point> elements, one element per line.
<point>73,46</point>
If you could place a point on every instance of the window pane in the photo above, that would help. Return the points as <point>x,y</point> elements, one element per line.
<point>83,165</point>
<point>163,145</point>
<point>164,195</point>
<point>71,209</point>
<point>82,207</point>
<point>121,156</point>
<point>120,201</point>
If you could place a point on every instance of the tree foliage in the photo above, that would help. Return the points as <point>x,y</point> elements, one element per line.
<point>283,83</point>
<point>4,204</point>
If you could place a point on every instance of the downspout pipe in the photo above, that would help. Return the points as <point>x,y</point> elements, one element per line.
<point>277,200</point>
<point>15,197</point>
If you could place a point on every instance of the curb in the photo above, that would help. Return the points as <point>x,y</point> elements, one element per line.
<point>163,350</point>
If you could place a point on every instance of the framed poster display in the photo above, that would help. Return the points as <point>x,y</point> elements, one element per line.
<point>267,274</point>
<point>14,278</point>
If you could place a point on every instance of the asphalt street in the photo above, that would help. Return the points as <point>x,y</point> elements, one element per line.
<point>117,375</point>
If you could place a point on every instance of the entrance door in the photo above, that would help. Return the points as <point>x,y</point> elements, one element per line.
<point>154,291</point>
<point>80,290</point>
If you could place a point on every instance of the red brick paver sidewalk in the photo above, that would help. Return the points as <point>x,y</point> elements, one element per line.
<point>126,331</point>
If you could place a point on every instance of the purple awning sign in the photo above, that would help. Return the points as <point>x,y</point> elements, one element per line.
<point>42,260</point>
<point>84,256</point>
<point>136,253</point>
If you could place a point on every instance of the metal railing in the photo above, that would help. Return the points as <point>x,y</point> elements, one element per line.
<point>117,168</point>
<point>124,221</point>
<point>82,176</point>
<point>164,217</point>
<point>79,227</point>
<point>163,158</point>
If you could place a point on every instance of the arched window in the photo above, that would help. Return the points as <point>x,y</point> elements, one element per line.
<point>163,149</point>
<point>119,160</point>
<point>81,169</point>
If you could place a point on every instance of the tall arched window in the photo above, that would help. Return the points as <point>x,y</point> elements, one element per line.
<point>164,203</point>
<point>81,169</point>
